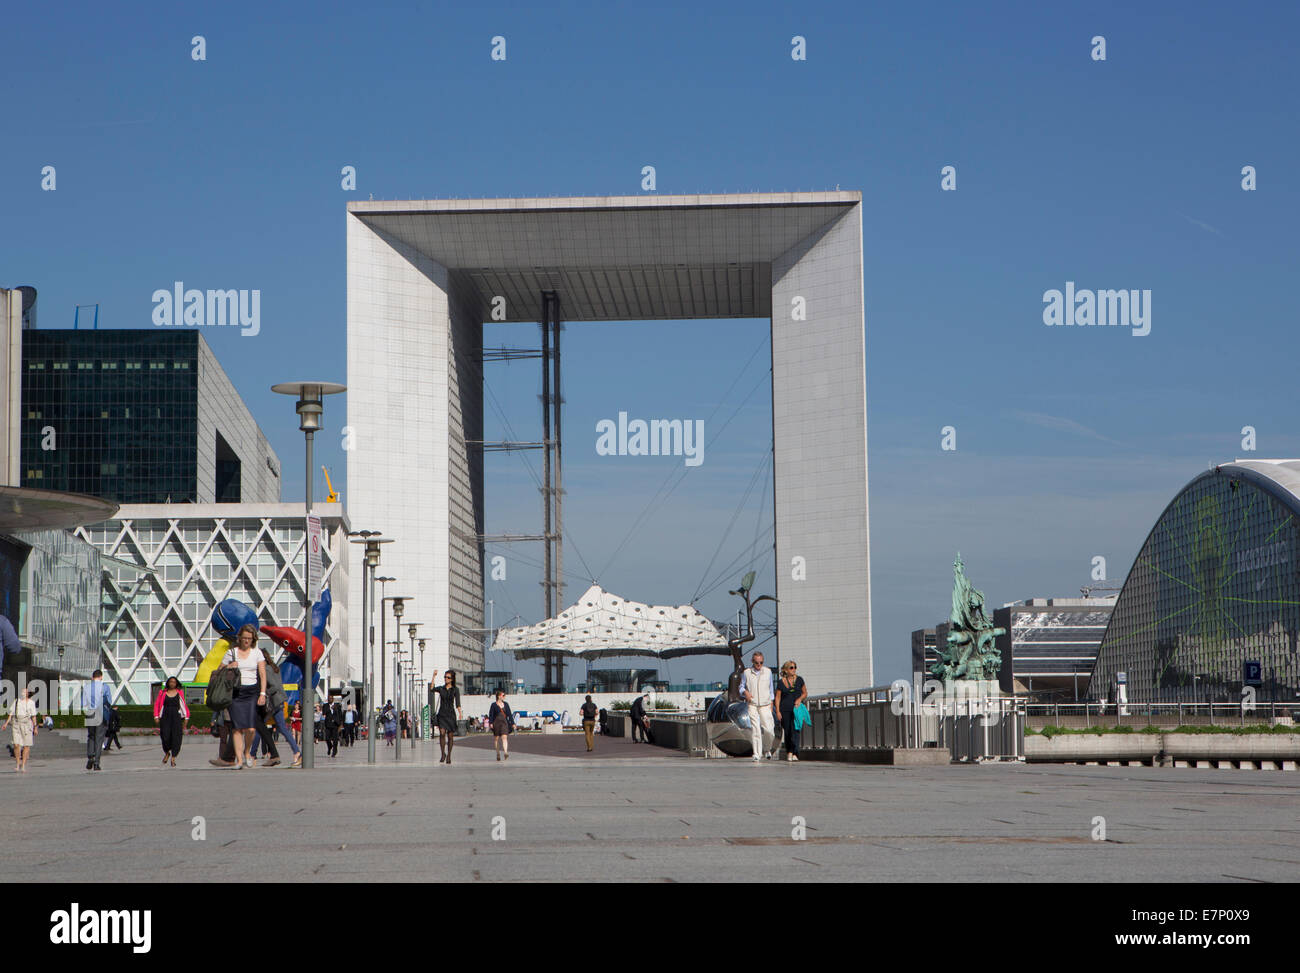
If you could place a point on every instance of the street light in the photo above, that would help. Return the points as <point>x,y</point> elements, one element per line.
<point>399,608</point>
<point>371,539</point>
<point>411,628</point>
<point>422,681</point>
<point>310,407</point>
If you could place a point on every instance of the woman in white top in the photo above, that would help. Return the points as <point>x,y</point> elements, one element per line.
<point>249,694</point>
<point>23,717</point>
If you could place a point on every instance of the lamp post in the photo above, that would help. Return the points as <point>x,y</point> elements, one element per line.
<point>411,629</point>
<point>383,629</point>
<point>399,608</point>
<point>423,680</point>
<point>310,407</point>
<point>371,539</point>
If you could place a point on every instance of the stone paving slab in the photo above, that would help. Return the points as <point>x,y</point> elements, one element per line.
<point>652,816</point>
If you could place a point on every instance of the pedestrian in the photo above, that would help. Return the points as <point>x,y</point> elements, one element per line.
<point>333,716</point>
<point>604,721</point>
<point>449,711</point>
<point>350,724</point>
<point>640,722</point>
<point>295,721</point>
<point>276,701</point>
<point>757,690</point>
<point>790,692</point>
<point>95,701</point>
<point>23,716</point>
<point>405,723</point>
<point>249,694</point>
<point>389,716</point>
<point>589,714</point>
<point>171,714</point>
<point>114,724</point>
<point>502,722</point>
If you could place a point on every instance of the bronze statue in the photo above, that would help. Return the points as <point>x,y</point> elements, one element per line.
<point>971,652</point>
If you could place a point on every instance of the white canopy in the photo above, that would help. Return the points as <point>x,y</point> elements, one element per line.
<point>602,624</point>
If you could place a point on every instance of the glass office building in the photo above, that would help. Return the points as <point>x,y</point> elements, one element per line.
<point>1212,603</point>
<point>138,416</point>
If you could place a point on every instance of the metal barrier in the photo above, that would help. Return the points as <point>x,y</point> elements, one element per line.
<point>1076,715</point>
<point>881,717</point>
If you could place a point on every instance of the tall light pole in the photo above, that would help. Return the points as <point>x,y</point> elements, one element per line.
<point>423,735</point>
<point>383,644</point>
<point>371,539</point>
<point>399,607</point>
<point>411,628</point>
<point>311,406</point>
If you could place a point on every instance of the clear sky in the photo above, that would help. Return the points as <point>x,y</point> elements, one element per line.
<point>1122,173</point>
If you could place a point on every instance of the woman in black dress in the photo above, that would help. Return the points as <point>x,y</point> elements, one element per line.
<point>790,692</point>
<point>449,712</point>
<point>502,722</point>
<point>168,711</point>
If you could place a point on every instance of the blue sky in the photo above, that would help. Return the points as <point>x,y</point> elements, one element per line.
<point>1116,174</point>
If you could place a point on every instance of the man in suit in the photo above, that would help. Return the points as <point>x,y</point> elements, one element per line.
<point>333,720</point>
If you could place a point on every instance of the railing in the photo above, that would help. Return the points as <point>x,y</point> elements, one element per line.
<point>1075,715</point>
<point>975,728</point>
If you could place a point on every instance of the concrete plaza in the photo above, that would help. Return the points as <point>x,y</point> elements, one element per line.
<point>636,813</point>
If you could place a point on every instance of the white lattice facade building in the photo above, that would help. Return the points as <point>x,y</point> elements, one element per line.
<point>155,625</point>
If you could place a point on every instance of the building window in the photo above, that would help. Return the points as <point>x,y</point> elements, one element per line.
<point>60,366</point>
<point>36,366</point>
<point>108,364</point>
<point>133,366</point>
<point>84,365</point>
<point>157,364</point>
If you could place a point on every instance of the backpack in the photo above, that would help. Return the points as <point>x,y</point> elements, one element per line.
<point>221,689</point>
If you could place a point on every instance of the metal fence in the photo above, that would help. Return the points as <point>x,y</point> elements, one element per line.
<point>1076,715</point>
<point>983,728</point>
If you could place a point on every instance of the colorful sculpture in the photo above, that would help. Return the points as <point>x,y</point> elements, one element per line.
<point>231,615</point>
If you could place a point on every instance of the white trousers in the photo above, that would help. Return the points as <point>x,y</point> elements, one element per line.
<point>760,719</point>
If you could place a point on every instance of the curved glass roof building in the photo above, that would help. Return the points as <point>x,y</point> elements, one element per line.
<point>1212,602</point>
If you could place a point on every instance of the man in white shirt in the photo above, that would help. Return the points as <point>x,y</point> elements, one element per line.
<point>757,689</point>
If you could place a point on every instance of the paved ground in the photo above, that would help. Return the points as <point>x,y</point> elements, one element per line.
<point>637,813</point>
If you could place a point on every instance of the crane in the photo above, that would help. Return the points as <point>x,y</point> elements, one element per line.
<point>333,497</point>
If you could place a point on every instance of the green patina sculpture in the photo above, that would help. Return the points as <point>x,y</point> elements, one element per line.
<point>971,652</point>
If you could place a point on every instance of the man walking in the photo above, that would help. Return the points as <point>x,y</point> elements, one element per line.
<point>589,711</point>
<point>757,690</point>
<point>96,705</point>
<point>349,725</point>
<point>333,716</point>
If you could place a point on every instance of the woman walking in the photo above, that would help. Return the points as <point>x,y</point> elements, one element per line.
<point>249,694</point>
<point>295,721</point>
<point>23,716</point>
<point>449,712</point>
<point>502,722</point>
<point>389,716</point>
<point>169,710</point>
<point>790,692</point>
<point>276,700</point>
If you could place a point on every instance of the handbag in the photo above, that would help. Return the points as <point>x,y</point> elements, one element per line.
<point>221,689</point>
